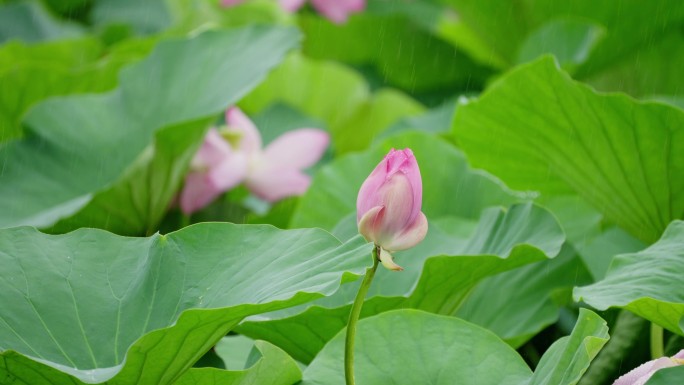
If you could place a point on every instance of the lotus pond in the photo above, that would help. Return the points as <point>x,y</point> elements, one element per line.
<point>341,191</point>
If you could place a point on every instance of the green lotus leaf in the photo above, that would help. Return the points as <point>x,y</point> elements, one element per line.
<point>92,307</point>
<point>647,283</point>
<point>538,129</point>
<point>413,347</point>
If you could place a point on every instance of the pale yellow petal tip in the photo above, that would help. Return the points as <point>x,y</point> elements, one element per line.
<point>387,261</point>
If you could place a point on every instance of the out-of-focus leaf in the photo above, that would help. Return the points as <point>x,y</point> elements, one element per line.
<point>77,147</point>
<point>571,41</point>
<point>403,53</point>
<point>435,121</point>
<point>353,116</point>
<point>413,347</point>
<point>537,129</point>
<point>31,22</point>
<point>191,16</point>
<point>274,367</point>
<point>493,32</point>
<point>439,274</point>
<point>647,283</point>
<point>143,16</point>
<point>296,82</point>
<point>654,70</point>
<point>92,306</point>
<point>453,187</point>
<point>31,73</point>
<point>569,357</point>
<point>384,108</point>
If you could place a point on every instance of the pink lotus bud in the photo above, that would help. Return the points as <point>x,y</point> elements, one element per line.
<point>388,206</point>
<point>641,374</point>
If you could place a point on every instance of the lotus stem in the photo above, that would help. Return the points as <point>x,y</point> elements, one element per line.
<point>354,319</point>
<point>657,350</point>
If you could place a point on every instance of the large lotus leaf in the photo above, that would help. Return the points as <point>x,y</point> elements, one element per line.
<point>439,273</point>
<point>453,187</point>
<point>402,52</point>
<point>569,357</point>
<point>92,306</point>
<point>353,116</point>
<point>56,68</point>
<point>538,129</point>
<point>31,22</point>
<point>648,283</point>
<point>518,304</point>
<point>78,146</point>
<point>413,347</point>
<point>274,367</point>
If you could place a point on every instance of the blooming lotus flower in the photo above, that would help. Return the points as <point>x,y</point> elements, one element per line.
<point>336,11</point>
<point>234,155</point>
<point>641,374</point>
<point>388,206</point>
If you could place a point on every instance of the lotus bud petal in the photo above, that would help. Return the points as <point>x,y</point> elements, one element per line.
<point>388,207</point>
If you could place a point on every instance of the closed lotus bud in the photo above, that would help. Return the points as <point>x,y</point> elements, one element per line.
<point>389,206</point>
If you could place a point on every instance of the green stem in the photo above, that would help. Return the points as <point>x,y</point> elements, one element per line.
<point>657,350</point>
<point>184,221</point>
<point>354,318</point>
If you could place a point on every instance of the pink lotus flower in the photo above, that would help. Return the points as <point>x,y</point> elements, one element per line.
<point>234,155</point>
<point>641,374</point>
<point>336,11</point>
<point>388,206</point>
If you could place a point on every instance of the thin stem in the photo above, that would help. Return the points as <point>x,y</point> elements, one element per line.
<point>354,318</point>
<point>657,350</point>
<point>184,220</point>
